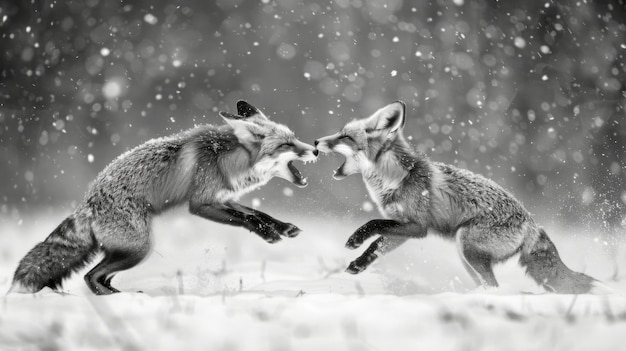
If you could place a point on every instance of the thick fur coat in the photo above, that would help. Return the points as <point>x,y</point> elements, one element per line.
<point>417,196</point>
<point>207,168</point>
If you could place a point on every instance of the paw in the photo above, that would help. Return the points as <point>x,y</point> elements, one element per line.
<point>355,268</point>
<point>268,234</point>
<point>271,236</point>
<point>289,230</point>
<point>354,242</point>
<point>362,262</point>
<point>272,239</point>
<point>285,229</point>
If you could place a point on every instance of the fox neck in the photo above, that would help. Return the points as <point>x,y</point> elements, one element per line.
<point>248,182</point>
<point>242,172</point>
<point>243,183</point>
<point>389,167</point>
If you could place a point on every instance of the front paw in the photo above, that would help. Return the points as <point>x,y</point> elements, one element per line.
<point>272,239</point>
<point>287,229</point>
<point>268,233</point>
<point>354,241</point>
<point>362,262</point>
<point>355,268</point>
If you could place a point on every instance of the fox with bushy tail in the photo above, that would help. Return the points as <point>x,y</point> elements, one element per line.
<point>416,195</point>
<point>207,167</point>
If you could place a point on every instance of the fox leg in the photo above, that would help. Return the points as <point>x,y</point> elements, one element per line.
<point>221,213</point>
<point>393,234</point>
<point>285,229</point>
<point>99,278</point>
<point>477,262</point>
<point>385,227</point>
<point>379,247</point>
<point>96,279</point>
<point>125,243</point>
<point>479,266</point>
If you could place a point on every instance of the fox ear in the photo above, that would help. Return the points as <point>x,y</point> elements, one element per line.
<point>244,130</point>
<point>390,118</point>
<point>229,116</point>
<point>246,110</point>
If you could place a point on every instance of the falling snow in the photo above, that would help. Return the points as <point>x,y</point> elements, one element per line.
<point>530,95</point>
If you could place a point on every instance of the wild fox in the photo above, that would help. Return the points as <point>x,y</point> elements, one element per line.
<point>207,167</point>
<point>415,194</point>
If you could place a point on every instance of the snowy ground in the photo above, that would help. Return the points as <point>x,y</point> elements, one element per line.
<point>213,287</point>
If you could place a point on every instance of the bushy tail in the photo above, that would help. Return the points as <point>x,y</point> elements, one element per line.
<point>67,249</point>
<point>544,265</point>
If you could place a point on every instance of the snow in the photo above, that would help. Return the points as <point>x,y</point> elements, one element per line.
<point>287,192</point>
<point>150,19</point>
<point>210,286</point>
<point>286,51</point>
<point>530,95</point>
<point>112,89</point>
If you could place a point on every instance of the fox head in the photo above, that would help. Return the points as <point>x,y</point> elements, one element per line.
<point>274,146</point>
<point>362,141</point>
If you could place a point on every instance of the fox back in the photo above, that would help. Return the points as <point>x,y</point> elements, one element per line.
<point>207,164</point>
<point>406,185</point>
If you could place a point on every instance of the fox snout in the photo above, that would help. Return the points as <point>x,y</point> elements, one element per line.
<point>326,144</point>
<point>299,151</point>
<point>332,144</point>
<point>305,152</point>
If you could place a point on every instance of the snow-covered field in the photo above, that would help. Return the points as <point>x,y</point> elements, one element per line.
<point>213,287</point>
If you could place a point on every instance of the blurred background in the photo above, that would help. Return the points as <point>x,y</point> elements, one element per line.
<point>529,93</point>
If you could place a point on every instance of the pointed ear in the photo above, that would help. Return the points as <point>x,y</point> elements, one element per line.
<point>227,115</point>
<point>244,130</point>
<point>246,110</point>
<point>390,118</point>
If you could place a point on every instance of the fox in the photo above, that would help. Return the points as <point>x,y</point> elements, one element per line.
<point>208,168</point>
<point>416,196</point>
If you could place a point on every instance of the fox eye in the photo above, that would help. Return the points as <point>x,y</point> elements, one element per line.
<point>285,146</point>
<point>344,137</point>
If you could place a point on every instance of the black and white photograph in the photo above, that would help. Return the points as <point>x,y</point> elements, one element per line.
<point>277,175</point>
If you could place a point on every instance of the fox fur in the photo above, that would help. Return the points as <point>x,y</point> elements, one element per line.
<point>417,195</point>
<point>207,167</point>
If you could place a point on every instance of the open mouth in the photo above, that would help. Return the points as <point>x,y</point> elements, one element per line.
<point>348,165</point>
<point>340,173</point>
<point>298,179</point>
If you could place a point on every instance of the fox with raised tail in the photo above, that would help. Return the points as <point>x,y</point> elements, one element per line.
<point>416,195</point>
<point>207,167</point>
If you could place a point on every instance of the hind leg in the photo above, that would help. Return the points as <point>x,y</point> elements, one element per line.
<point>125,244</point>
<point>479,267</point>
<point>96,278</point>
<point>479,247</point>
<point>99,278</point>
<point>482,245</point>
